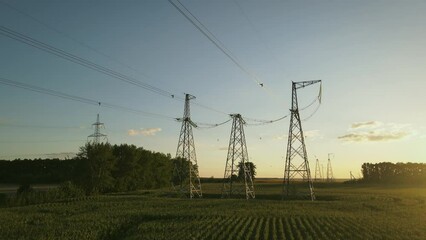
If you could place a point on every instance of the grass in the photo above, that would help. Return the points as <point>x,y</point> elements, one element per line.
<point>341,212</point>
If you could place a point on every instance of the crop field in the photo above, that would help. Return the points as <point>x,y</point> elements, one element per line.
<point>341,212</point>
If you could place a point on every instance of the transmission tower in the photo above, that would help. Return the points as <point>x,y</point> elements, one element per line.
<point>352,176</point>
<point>296,163</point>
<point>318,175</point>
<point>186,168</point>
<point>237,178</point>
<point>97,136</point>
<point>330,177</point>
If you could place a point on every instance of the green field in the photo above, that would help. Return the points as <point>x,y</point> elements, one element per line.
<point>341,212</point>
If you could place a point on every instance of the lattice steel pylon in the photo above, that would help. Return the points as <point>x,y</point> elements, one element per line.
<point>318,175</point>
<point>352,176</point>
<point>296,163</point>
<point>238,177</point>
<point>189,179</point>
<point>97,136</point>
<point>330,176</point>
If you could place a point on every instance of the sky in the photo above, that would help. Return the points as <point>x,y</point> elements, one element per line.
<point>370,56</point>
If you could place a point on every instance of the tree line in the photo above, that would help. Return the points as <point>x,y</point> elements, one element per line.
<point>387,172</point>
<point>101,168</point>
<point>97,168</point>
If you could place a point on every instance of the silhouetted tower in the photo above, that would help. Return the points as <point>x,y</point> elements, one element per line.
<point>296,163</point>
<point>352,176</point>
<point>97,136</point>
<point>186,170</point>
<point>237,178</point>
<point>318,175</point>
<point>330,177</point>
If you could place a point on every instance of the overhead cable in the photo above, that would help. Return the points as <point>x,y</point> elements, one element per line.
<point>310,104</point>
<point>81,61</point>
<point>37,126</point>
<point>76,98</point>
<point>210,125</point>
<point>86,63</point>
<point>81,43</point>
<point>312,114</point>
<point>264,122</point>
<point>212,38</point>
<point>319,98</point>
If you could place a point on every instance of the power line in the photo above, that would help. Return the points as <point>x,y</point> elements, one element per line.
<point>319,99</point>
<point>260,39</point>
<point>210,36</point>
<point>312,114</point>
<point>56,30</point>
<point>210,125</point>
<point>264,122</point>
<point>36,126</point>
<point>42,141</point>
<point>81,61</point>
<point>85,45</point>
<point>86,63</point>
<point>76,98</point>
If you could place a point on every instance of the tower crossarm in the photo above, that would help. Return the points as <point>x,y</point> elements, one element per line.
<point>187,119</point>
<point>305,83</point>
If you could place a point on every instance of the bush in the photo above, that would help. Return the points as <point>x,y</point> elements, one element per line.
<point>69,190</point>
<point>24,189</point>
<point>3,199</point>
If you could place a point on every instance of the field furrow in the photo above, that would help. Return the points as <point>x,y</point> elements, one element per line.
<point>260,228</point>
<point>280,227</point>
<point>288,229</point>
<point>265,231</point>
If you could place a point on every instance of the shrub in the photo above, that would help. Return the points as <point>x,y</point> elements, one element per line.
<point>69,190</point>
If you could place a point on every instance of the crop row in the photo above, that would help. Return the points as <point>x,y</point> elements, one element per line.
<point>236,227</point>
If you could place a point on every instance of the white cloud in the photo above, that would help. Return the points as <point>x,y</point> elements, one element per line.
<point>369,124</point>
<point>374,131</point>
<point>373,136</point>
<point>144,131</point>
<point>311,134</point>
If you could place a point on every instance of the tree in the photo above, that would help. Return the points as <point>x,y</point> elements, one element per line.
<point>127,170</point>
<point>250,166</point>
<point>180,171</point>
<point>96,164</point>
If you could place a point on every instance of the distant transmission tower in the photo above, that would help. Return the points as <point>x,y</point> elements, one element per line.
<point>97,136</point>
<point>237,178</point>
<point>330,177</point>
<point>352,176</point>
<point>296,163</point>
<point>318,175</point>
<point>186,170</point>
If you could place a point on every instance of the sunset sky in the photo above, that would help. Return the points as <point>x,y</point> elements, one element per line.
<point>370,55</point>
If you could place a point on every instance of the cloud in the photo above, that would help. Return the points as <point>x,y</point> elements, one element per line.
<point>144,131</point>
<point>374,131</point>
<point>223,148</point>
<point>373,136</point>
<point>369,124</point>
<point>311,134</point>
